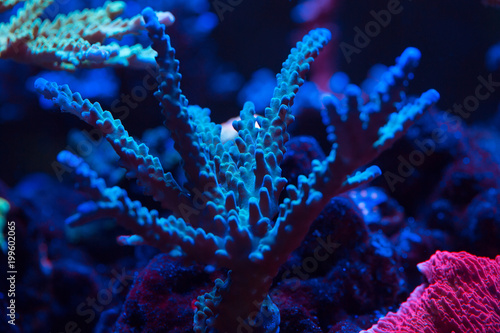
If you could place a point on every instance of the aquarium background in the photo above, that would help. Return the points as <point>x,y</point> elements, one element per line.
<point>80,280</point>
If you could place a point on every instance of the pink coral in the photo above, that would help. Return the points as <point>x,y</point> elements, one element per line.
<point>462,295</point>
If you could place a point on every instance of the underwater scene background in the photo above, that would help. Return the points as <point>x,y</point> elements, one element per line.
<point>356,191</point>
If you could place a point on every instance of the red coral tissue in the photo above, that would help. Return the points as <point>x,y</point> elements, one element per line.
<point>462,295</point>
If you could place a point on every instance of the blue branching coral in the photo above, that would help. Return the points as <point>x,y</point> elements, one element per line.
<point>229,213</point>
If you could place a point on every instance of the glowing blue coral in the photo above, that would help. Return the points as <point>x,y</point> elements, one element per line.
<point>229,212</point>
<point>382,120</point>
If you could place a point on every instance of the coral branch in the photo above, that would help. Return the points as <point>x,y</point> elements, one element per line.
<point>135,157</point>
<point>175,109</point>
<point>358,134</point>
<point>384,119</point>
<point>150,228</point>
<point>74,40</point>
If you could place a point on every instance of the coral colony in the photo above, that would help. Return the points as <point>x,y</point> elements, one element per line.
<point>319,213</point>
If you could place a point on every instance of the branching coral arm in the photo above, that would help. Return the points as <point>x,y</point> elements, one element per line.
<point>148,226</point>
<point>259,151</point>
<point>273,135</point>
<point>97,24</point>
<point>381,121</point>
<point>359,132</point>
<point>175,109</point>
<point>135,157</point>
<point>76,39</point>
<point>24,16</point>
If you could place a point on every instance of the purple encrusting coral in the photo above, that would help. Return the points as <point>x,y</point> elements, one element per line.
<point>330,210</point>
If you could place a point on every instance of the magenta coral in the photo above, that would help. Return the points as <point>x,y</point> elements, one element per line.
<point>462,295</point>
